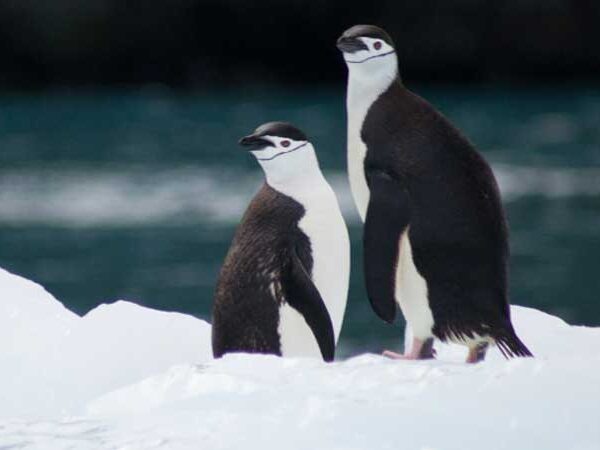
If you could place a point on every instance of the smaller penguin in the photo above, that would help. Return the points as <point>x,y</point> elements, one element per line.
<point>284,284</point>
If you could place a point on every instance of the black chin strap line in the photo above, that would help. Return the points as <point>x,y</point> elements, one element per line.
<point>283,153</point>
<point>371,57</point>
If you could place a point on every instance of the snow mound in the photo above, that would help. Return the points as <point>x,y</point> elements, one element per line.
<point>125,377</point>
<point>366,402</point>
<point>54,361</point>
<point>369,402</point>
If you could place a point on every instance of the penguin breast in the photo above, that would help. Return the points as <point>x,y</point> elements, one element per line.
<point>326,230</point>
<point>295,336</point>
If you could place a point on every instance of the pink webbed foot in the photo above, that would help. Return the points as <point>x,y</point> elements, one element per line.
<point>421,349</point>
<point>393,355</point>
<point>477,353</point>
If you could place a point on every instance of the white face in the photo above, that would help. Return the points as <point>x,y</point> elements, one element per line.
<point>287,161</point>
<point>280,149</point>
<point>376,48</point>
<point>377,63</point>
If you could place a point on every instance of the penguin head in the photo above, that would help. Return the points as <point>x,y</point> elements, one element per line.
<point>368,51</point>
<point>281,149</point>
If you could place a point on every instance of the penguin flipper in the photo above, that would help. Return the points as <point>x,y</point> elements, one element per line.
<point>387,217</point>
<point>304,297</point>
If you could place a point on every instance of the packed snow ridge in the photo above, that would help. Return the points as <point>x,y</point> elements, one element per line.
<point>127,377</point>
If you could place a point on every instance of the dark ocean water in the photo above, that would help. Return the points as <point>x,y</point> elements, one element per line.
<point>136,195</point>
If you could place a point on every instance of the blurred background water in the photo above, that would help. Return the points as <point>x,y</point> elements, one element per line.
<point>135,194</point>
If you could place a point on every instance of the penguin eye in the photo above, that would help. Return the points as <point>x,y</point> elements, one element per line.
<point>377,45</point>
<point>285,143</point>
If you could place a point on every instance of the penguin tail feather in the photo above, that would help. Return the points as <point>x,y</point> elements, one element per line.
<point>511,346</point>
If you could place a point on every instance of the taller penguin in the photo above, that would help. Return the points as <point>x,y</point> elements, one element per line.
<point>435,237</point>
<point>284,284</point>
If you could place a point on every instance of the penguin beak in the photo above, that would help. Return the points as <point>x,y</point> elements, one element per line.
<point>350,45</point>
<point>253,142</point>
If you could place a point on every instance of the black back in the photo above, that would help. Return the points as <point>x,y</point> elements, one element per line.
<point>269,262</point>
<point>457,227</point>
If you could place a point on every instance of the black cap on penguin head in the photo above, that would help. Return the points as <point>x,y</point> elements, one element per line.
<point>281,129</point>
<point>349,41</point>
<point>256,140</point>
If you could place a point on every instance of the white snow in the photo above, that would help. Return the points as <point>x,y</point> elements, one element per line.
<point>52,361</point>
<point>126,377</point>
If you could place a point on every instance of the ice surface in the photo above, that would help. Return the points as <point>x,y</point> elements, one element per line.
<point>125,377</point>
<point>53,361</point>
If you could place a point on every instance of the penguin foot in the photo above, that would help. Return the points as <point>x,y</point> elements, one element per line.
<point>393,355</point>
<point>420,349</point>
<point>477,353</point>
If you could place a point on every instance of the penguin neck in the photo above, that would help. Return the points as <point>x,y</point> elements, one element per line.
<point>295,174</point>
<point>365,85</point>
<point>367,81</point>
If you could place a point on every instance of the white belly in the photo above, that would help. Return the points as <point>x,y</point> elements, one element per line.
<point>411,292</point>
<point>357,150</point>
<point>325,227</point>
<point>296,337</point>
<point>326,230</point>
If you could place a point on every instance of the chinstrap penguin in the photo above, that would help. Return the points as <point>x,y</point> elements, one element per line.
<point>435,236</point>
<point>283,286</point>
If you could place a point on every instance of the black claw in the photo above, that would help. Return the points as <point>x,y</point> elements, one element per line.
<point>427,350</point>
